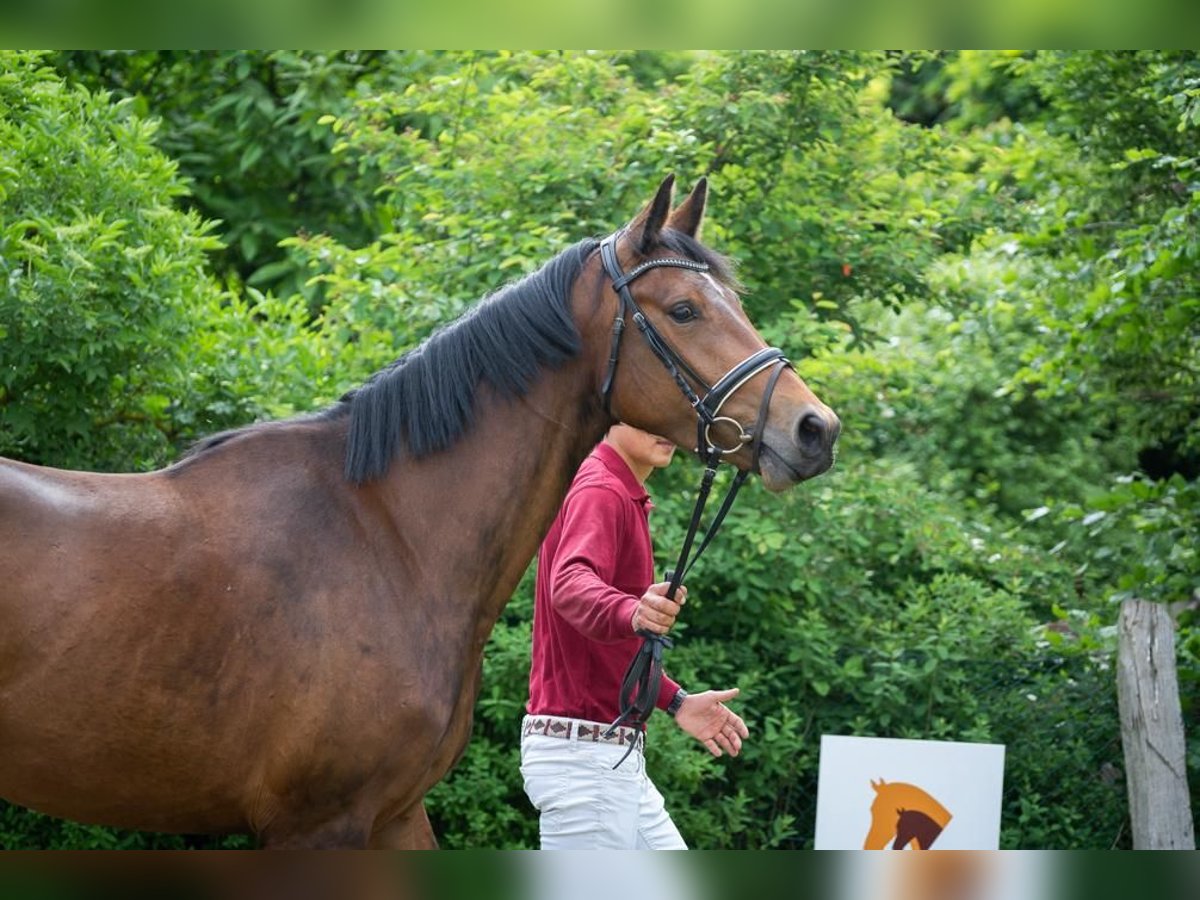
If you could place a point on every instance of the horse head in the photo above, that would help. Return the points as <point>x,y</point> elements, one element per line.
<point>900,804</point>
<point>723,390</point>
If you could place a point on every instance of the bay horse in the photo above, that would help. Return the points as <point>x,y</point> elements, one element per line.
<point>282,633</point>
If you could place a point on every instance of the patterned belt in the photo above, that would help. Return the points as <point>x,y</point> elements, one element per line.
<point>580,730</point>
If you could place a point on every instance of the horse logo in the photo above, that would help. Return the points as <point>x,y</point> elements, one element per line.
<point>904,814</point>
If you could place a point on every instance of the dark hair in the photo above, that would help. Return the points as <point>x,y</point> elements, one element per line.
<point>425,401</point>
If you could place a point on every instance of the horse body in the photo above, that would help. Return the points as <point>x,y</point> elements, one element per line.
<point>249,640</point>
<point>292,636</point>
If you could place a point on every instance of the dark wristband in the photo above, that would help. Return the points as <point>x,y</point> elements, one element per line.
<point>676,701</point>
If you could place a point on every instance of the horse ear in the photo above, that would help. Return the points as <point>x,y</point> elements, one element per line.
<point>645,228</point>
<point>690,214</point>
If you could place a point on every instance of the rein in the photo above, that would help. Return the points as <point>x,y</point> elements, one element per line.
<point>639,689</point>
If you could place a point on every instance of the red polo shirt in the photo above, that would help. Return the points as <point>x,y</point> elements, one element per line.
<point>593,567</point>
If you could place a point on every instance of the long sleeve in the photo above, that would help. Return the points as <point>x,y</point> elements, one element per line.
<point>582,588</point>
<point>594,564</point>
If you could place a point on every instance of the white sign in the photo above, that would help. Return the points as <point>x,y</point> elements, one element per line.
<point>889,793</point>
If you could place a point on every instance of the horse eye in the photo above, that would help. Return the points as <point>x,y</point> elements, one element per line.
<point>682,312</point>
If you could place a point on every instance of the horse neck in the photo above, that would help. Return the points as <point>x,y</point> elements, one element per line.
<point>483,505</point>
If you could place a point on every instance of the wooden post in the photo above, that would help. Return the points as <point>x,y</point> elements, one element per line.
<point>1152,729</point>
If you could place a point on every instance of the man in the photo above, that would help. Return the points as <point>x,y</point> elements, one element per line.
<point>593,594</point>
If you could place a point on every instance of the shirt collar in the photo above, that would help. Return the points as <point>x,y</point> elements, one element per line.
<point>612,461</point>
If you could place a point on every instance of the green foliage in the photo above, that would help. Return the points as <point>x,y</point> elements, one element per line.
<point>244,129</point>
<point>508,156</point>
<point>119,348</point>
<point>939,395</point>
<point>99,272</point>
<point>21,829</point>
<point>1114,285</point>
<point>962,91</point>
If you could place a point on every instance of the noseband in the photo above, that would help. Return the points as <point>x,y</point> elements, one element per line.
<point>639,691</point>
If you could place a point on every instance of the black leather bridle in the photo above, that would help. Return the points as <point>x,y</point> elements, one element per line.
<point>708,407</point>
<point>639,691</point>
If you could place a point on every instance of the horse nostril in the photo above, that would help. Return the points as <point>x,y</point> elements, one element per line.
<point>815,430</point>
<point>812,425</point>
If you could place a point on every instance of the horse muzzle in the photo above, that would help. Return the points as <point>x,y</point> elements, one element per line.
<point>802,451</point>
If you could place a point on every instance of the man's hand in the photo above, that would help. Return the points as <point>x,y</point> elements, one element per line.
<point>706,718</point>
<point>654,612</point>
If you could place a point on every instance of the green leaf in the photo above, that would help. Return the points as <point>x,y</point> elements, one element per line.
<point>250,155</point>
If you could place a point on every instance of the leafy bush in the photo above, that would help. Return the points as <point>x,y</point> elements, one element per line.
<point>99,272</point>
<point>244,129</point>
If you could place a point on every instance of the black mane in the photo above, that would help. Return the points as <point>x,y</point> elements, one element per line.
<point>425,401</point>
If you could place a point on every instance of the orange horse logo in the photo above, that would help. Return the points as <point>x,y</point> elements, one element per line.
<point>904,814</point>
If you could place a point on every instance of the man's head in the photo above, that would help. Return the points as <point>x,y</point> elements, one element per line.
<point>642,451</point>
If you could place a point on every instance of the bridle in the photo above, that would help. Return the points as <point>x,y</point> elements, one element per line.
<point>708,407</point>
<point>639,690</point>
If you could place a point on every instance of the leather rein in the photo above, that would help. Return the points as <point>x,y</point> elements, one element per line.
<point>639,690</point>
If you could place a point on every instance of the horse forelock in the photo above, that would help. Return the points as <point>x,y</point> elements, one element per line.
<point>425,401</point>
<point>681,244</point>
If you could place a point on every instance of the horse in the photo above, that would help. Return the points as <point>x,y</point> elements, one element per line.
<point>282,632</point>
<point>903,813</point>
<point>915,827</point>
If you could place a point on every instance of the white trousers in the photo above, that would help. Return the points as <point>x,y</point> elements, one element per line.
<point>585,804</point>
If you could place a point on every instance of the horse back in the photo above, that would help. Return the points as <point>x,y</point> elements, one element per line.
<point>66,532</point>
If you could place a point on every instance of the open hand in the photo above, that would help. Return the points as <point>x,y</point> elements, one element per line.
<point>706,718</point>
